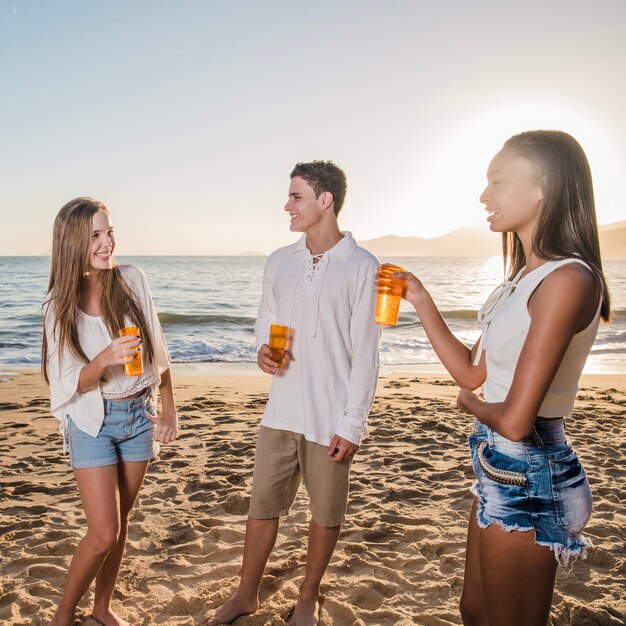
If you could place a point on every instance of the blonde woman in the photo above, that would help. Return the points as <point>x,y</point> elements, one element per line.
<point>532,496</point>
<point>107,417</point>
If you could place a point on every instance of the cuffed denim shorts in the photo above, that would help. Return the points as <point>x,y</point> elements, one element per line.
<point>534,484</point>
<point>126,435</point>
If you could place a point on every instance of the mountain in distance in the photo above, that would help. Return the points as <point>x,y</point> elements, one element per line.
<point>251,253</point>
<point>612,226</point>
<point>471,241</point>
<point>613,242</point>
<point>478,241</point>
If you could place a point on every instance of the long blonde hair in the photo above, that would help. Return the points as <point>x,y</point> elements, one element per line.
<point>70,263</point>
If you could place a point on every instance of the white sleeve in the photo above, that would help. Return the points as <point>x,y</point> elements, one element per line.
<point>63,374</point>
<point>365,339</point>
<point>267,308</point>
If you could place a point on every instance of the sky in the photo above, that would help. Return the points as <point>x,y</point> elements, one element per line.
<point>186,118</point>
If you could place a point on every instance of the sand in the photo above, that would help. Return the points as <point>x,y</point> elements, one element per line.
<point>400,556</point>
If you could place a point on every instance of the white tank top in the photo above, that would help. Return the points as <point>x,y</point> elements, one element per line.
<point>506,322</point>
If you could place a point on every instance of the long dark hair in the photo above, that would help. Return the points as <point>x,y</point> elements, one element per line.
<point>71,243</point>
<point>567,225</point>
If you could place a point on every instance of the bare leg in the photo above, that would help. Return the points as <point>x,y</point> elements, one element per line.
<point>100,498</point>
<point>322,542</point>
<point>130,479</point>
<point>518,577</point>
<point>260,539</point>
<point>473,609</point>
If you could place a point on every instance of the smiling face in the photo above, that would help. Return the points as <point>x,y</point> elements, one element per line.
<point>102,242</point>
<point>305,210</point>
<point>513,195</point>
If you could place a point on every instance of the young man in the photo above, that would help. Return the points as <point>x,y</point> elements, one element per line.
<point>323,288</point>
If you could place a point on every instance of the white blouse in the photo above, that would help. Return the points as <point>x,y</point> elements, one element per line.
<point>87,409</point>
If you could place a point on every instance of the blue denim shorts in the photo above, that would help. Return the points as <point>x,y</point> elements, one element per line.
<point>126,435</point>
<point>534,484</point>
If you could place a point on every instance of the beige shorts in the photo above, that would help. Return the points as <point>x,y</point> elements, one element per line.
<point>283,459</point>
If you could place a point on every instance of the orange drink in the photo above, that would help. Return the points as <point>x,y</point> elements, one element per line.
<point>135,367</point>
<point>278,342</point>
<point>389,295</point>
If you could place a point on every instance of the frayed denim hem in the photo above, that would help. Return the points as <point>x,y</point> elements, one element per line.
<point>573,550</point>
<point>483,522</point>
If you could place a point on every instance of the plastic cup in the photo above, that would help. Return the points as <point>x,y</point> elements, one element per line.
<point>135,367</point>
<point>278,343</point>
<point>389,295</point>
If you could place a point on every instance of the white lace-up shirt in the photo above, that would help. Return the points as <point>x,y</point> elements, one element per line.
<point>328,387</point>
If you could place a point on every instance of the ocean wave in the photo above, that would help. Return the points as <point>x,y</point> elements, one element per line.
<point>205,352</point>
<point>460,314</point>
<point>213,358</point>
<point>20,345</point>
<point>205,319</point>
<point>410,319</point>
<point>618,315</point>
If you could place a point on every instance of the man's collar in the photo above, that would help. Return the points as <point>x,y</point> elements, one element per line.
<point>343,248</point>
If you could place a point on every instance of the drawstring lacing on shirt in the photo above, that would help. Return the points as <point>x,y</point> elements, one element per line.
<point>319,293</point>
<point>492,306</point>
<point>313,264</point>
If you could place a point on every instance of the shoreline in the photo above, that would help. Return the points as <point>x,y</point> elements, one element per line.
<point>251,369</point>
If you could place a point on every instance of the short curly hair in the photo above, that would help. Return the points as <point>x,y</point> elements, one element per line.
<point>324,176</point>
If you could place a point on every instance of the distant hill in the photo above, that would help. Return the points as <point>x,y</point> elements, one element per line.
<point>471,241</point>
<point>477,241</point>
<point>613,226</point>
<point>613,243</point>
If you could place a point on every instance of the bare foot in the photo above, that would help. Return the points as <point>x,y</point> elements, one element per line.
<point>306,611</point>
<point>108,617</point>
<point>234,608</point>
<point>59,619</point>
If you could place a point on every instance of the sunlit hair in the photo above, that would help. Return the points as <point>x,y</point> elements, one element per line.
<point>567,225</point>
<point>324,176</point>
<point>70,264</point>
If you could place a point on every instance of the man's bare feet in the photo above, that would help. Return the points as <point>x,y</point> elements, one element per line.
<point>234,608</point>
<point>306,611</point>
<point>108,617</point>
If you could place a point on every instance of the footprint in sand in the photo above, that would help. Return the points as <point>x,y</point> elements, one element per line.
<point>210,522</point>
<point>46,571</point>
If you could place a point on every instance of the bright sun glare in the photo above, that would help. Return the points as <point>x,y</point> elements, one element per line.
<point>455,177</point>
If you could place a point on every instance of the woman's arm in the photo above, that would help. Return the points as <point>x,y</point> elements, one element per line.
<point>454,354</point>
<point>119,352</point>
<point>563,304</point>
<point>166,425</point>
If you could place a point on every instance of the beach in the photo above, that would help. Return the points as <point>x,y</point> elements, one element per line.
<point>400,555</point>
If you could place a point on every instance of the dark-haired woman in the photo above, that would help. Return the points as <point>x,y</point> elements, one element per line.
<point>107,417</point>
<point>532,498</point>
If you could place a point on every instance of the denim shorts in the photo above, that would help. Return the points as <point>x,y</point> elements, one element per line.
<point>534,484</point>
<point>125,435</point>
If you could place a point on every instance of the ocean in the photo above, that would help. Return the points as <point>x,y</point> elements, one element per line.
<point>207,306</point>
